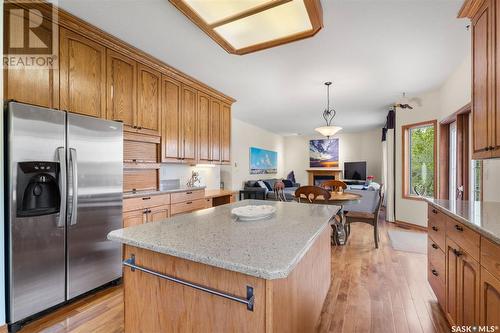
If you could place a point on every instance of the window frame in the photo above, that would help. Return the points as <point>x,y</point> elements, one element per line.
<point>405,130</point>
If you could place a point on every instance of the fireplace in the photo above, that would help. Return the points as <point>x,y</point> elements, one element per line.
<point>316,176</point>
<point>318,179</point>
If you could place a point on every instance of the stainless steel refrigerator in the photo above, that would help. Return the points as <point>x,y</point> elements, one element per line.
<point>64,189</point>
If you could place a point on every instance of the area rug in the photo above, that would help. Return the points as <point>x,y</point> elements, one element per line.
<point>408,241</point>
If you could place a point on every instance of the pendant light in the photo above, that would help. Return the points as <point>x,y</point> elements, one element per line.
<point>329,113</point>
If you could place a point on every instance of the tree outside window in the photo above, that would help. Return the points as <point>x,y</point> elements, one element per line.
<point>419,159</point>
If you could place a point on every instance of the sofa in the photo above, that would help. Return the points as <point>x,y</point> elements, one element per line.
<point>251,185</point>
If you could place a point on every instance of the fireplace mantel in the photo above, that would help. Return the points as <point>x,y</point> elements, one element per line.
<point>337,173</point>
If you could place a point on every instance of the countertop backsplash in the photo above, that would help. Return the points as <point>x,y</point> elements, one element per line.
<point>209,175</point>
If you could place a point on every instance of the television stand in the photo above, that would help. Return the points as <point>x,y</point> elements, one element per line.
<point>354,182</point>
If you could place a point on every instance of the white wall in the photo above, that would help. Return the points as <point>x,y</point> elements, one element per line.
<point>491,180</point>
<point>244,136</point>
<point>209,175</point>
<point>437,104</point>
<point>353,147</point>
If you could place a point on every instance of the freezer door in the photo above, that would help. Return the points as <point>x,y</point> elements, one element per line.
<point>95,176</point>
<point>34,241</point>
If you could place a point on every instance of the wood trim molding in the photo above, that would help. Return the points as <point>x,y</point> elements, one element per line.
<point>466,109</point>
<point>404,139</point>
<point>408,225</point>
<point>313,7</point>
<point>470,8</point>
<point>444,160</point>
<point>77,25</point>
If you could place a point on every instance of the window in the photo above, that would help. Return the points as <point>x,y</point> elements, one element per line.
<point>419,156</point>
<point>476,180</point>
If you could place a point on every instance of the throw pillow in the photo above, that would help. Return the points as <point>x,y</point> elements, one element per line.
<point>269,188</point>
<point>291,177</point>
<point>260,183</point>
<point>287,182</point>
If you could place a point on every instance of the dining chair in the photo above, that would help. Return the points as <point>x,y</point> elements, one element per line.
<point>369,218</point>
<point>333,185</point>
<point>279,191</point>
<point>311,193</point>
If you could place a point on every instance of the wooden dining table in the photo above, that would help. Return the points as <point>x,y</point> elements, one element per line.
<point>339,236</point>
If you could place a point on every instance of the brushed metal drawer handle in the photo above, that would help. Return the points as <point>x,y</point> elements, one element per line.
<point>434,211</point>
<point>457,252</point>
<point>189,192</point>
<point>459,228</point>
<point>435,228</point>
<point>189,202</point>
<point>434,272</point>
<point>434,246</point>
<point>146,198</point>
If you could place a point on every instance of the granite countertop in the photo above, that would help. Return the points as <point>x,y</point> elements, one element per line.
<point>482,216</point>
<point>268,249</point>
<point>160,191</point>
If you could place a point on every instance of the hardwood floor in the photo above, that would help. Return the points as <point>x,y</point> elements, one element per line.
<point>371,291</point>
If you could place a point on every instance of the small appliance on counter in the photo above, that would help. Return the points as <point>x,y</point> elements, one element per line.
<point>64,175</point>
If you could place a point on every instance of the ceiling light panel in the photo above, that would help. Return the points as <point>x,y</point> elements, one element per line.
<point>212,11</point>
<point>278,22</point>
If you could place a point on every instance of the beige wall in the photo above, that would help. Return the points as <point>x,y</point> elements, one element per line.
<point>244,136</point>
<point>353,147</point>
<point>437,104</point>
<point>491,180</point>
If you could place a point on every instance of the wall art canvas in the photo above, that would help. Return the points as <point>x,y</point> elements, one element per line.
<point>263,161</point>
<point>324,153</point>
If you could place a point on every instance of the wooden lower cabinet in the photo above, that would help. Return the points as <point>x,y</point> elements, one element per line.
<point>158,213</point>
<point>135,217</point>
<point>490,299</point>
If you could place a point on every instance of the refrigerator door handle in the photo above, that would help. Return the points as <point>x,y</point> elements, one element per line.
<point>61,155</point>
<point>74,177</point>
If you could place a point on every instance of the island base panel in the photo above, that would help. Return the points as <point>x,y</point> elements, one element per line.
<point>292,304</point>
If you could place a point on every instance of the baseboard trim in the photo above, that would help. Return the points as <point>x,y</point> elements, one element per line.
<point>407,225</point>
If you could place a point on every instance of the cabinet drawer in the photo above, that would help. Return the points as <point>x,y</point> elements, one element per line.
<point>188,196</point>
<point>466,238</point>
<point>437,260</point>
<point>437,226</point>
<point>187,206</point>
<point>437,284</point>
<point>490,257</point>
<point>136,151</point>
<point>145,202</point>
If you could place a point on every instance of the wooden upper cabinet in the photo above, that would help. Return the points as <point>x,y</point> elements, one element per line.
<point>226,134</point>
<point>188,98</point>
<point>121,83</point>
<point>82,68</point>
<point>490,299</point>
<point>148,99</point>
<point>215,129</point>
<point>203,127</point>
<point>38,86</point>
<point>171,120</point>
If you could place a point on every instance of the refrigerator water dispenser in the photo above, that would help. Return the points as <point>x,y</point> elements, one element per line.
<point>38,188</point>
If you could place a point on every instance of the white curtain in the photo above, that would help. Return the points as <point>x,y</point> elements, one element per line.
<point>388,174</point>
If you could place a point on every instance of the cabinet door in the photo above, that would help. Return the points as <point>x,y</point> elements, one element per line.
<point>188,121</point>
<point>215,122</point>
<point>203,127</point>
<point>159,213</point>
<point>452,269</point>
<point>226,134</point>
<point>38,86</point>
<point>468,291</point>
<point>482,81</point>
<point>495,112</point>
<point>490,299</point>
<point>148,100</point>
<point>134,217</point>
<point>170,123</point>
<point>82,75</point>
<point>122,89</point>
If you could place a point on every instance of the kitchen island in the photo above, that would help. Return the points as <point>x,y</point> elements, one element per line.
<point>207,272</point>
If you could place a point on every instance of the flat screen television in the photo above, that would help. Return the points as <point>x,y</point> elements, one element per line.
<point>355,170</point>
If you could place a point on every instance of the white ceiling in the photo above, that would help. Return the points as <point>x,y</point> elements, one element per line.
<point>372,50</point>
